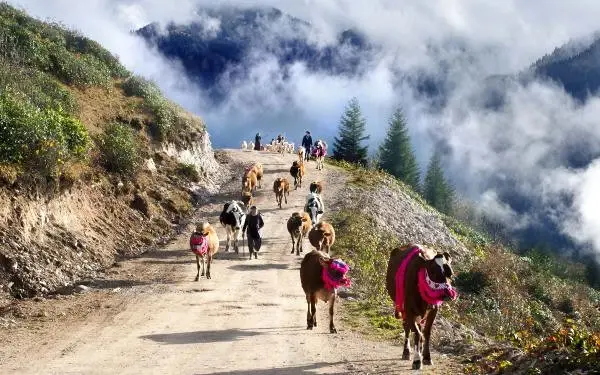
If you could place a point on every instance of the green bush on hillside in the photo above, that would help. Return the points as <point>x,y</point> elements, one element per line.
<point>40,141</point>
<point>41,89</point>
<point>165,117</point>
<point>188,171</point>
<point>51,48</point>
<point>119,149</point>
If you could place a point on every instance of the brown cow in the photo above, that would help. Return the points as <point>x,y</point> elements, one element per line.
<point>311,277</point>
<point>281,188</point>
<point>297,171</point>
<point>204,232</point>
<point>322,236</point>
<point>298,226</point>
<point>247,198</point>
<point>258,168</point>
<point>249,181</point>
<point>415,308</point>
<point>316,187</point>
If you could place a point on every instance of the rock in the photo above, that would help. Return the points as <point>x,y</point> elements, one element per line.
<point>140,203</point>
<point>150,165</point>
<point>82,289</point>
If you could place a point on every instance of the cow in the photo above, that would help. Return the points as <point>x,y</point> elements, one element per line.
<point>247,198</point>
<point>314,207</point>
<point>297,171</point>
<point>232,218</point>
<point>316,187</point>
<point>204,242</point>
<point>258,167</point>
<point>249,180</point>
<point>322,236</point>
<point>281,188</point>
<point>314,268</point>
<point>418,281</point>
<point>298,226</point>
<point>320,152</point>
<point>301,153</point>
<point>244,145</point>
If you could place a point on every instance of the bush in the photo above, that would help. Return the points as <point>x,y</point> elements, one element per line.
<point>39,140</point>
<point>472,281</point>
<point>188,171</point>
<point>52,48</point>
<point>119,149</point>
<point>165,116</point>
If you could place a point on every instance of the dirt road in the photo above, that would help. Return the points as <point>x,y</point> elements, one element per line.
<point>250,318</point>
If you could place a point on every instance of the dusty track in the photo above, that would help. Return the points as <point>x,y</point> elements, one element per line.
<point>250,318</point>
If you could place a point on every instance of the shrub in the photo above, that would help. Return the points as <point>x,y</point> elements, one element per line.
<point>119,149</point>
<point>188,171</point>
<point>472,281</point>
<point>39,140</point>
<point>163,111</point>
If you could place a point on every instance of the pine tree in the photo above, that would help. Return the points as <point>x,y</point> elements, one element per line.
<point>437,191</point>
<point>396,154</point>
<point>347,145</point>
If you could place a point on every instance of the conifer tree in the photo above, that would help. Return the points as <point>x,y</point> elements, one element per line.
<point>436,190</point>
<point>396,155</point>
<point>347,145</point>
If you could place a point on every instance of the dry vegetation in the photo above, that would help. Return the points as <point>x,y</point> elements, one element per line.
<point>530,314</point>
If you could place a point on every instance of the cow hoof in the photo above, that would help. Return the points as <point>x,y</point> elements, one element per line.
<point>208,276</point>
<point>406,355</point>
<point>332,330</point>
<point>309,328</point>
<point>196,279</point>
<point>416,365</point>
<point>427,362</point>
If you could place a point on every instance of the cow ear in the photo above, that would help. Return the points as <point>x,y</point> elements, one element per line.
<point>448,258</point>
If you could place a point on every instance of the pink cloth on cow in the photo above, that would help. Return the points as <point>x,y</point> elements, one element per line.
<point>334,276</point>
<point>431,292</point>
<point>199,244</point>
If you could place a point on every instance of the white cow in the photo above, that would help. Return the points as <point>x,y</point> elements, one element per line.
<point>244,146</point>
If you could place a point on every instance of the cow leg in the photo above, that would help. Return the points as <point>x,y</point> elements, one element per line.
<point>236,234</point>
<point>313,307</point>
<point>293,242</point>
<point>427,335</point>
<point>299,245</point>
<point>208,265</point>
<point>406,352</point>
<point>197,267</point>
<point>418,357</point>
<point>331,309</point>
<point>309,319</point>
<point>228,232</point>
<point>203,260</point>
<point>285,197</point>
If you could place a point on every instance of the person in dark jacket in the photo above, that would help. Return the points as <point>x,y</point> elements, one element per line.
<point>254,223</point>
<point>257,142</point>
<point>307,143</point>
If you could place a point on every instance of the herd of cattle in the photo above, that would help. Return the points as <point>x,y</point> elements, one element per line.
<point>417,280</point>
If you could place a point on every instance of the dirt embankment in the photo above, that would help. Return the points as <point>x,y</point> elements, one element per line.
<point>46,244</point>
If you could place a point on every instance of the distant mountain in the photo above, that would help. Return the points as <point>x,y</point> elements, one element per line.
<point>575,66</point>
<point>217,56</point>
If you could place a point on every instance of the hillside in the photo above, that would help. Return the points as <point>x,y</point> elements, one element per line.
<point>95,163</point>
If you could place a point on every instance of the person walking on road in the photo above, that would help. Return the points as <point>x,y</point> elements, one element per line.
<point>253,225</point>
<point>307,143</point>
<point>257,139</point>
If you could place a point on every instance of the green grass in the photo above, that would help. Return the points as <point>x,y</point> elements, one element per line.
<point>120,149</point>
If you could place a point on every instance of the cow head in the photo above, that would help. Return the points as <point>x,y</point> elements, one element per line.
<point>439,268</point>
<point>313,210</point>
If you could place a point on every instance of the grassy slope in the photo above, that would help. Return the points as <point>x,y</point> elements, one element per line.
<point>75,125</point>
<point>536,304</point>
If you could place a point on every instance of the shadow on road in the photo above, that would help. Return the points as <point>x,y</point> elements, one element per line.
<point>292,370</point>
<point>200,337</point>
<point>254,267</point>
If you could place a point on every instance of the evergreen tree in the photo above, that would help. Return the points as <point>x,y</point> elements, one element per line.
<point>347,145</point>
<point>396,154</point>
<point>437,191</point>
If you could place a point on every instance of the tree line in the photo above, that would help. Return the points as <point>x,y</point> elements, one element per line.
<point>395,156</point>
